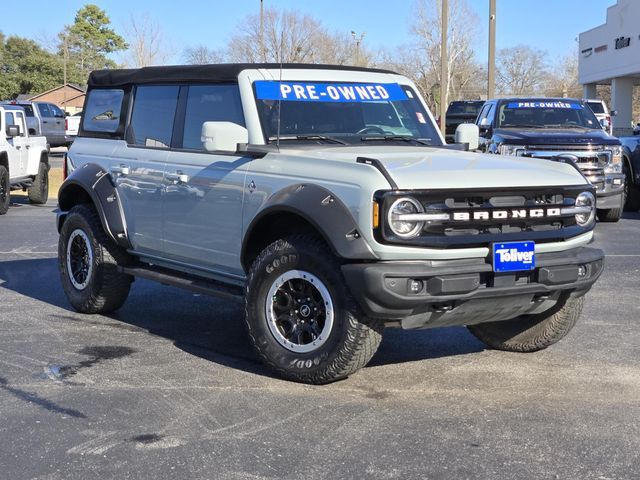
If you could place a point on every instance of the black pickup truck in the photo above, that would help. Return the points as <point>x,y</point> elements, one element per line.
<point>561,129</point>
<point>460,111</point>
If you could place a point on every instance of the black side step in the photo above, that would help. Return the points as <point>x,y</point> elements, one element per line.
<point>201,285</point>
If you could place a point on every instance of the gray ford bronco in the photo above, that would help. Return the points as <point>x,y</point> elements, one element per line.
<point>325,199</point>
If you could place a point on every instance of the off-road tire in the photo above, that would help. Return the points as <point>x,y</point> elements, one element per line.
<point>39,191</point>
<point>5,190</point>
<point>530,333</point>
<point>632,201</point>
<point>353,338</point>
<point>609,215</point>
<point>106,288</point>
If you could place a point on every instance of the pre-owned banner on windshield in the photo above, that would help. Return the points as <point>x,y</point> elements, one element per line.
<point>328,92</point>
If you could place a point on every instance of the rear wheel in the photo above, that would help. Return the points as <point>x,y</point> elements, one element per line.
<point>88,263</point>
<point>5,190</point>
<point>529,333</point>
<point>302,320</point>
<point>39,191</point>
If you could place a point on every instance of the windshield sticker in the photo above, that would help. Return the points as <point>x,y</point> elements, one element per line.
<point>420,117</point>
<point>328,92</point>
<point>572,106</point>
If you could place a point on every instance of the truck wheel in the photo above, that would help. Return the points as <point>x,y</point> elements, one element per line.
<point>88,261</point>
<point>609,215</point>
<point>632,192</point>
<point>39,191</point>
<point>302,320</point>
<point>529,333</point>
<point>5,190</point>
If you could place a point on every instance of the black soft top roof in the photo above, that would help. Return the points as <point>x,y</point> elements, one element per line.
<point>222,72</point>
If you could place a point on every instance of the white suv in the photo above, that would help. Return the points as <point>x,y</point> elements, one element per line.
<point>601,111</point>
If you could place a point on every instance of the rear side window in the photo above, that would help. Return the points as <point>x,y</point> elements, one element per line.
<point>44,110</point>
<point>596,107</point>
<point>56,112</point>
<point>28,109</point>
<point>103,111</point>
<point>210,103</point>
<point>154,110</point>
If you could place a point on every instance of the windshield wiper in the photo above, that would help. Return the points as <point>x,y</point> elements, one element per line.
<point>565,125</point>
<point>323,138</point>
<point>520,125</point>
<point>391,138</point>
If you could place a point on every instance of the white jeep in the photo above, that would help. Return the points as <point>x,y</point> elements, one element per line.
<point>24,162</point>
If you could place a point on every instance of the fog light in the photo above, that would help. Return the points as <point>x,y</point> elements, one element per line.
<point>617,181</point>
<point>582,270</point>
<point>415,286</point>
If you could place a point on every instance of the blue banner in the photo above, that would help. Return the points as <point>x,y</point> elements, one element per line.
<point>328,92</point>
<point>542,104</point>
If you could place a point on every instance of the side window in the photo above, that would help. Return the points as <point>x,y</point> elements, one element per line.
<point>55,111</point>
<point>103,111</point>
<point>154,110</point>
<point>492,113</point>
<point>28,110</point>
<point>210,103</point>
<point>20,121</point>
<point>483,112</point>
<point>8,119</point>
<point>44,110</point>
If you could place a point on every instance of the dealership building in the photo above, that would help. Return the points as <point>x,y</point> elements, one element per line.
<point>610,55</point>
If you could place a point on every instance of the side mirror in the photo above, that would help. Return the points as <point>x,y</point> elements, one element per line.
<point>468,133</point>
<point>13,131</point>
<point>604,123</point>
<point>485,125</point>
<point>613,113</point>
<point>223,136</point>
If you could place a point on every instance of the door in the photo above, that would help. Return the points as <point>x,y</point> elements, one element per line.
<point>47,122</point>
<point>204,190</point>
<point>138,165</point>
<point>57,128</point>
<point>17,151</point>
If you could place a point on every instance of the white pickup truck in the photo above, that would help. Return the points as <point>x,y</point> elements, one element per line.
<point>24,162</point>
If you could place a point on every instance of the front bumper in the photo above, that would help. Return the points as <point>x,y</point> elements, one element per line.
<point>467,291</point>
<point>609,192</point>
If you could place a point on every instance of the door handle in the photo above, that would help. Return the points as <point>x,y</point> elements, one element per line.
<point>122,170</point>
<point>44,121</point>
<point>27,147</point>
<point>177,177</point>
<point>18,147</point>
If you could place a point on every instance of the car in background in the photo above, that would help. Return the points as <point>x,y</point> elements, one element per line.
<point>561,129</point>
<point>71,125</point>
<point>600,110</point>
<point>461,111</point>
<point>45,119</point>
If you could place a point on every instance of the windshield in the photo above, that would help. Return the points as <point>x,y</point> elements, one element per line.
<point>464,108</point>
<point>546,114</point>
<point>344,113</point>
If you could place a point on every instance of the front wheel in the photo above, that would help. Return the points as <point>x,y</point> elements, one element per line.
<point>529,333</point>
<point>88,263</point>
<point>5,190</point>
<point>302,320</point>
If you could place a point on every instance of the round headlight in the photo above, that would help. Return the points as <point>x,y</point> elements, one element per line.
<point>400,225</point>
<point>586,199</point>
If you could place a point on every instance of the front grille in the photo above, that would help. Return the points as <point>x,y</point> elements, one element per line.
<point>591,160</point>
<point>480,217</point>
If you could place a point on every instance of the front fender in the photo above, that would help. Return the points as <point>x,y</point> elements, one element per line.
<point>324,211</point>
<point>91,183</point>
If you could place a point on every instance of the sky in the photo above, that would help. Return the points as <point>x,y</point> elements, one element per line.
<point>549,25</point>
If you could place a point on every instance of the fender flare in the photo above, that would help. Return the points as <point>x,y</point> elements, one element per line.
<point>324,211</point>
<point>98,185</point>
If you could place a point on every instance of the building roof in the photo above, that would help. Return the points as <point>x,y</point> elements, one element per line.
<point>224,72</point>
<point>80,90</point>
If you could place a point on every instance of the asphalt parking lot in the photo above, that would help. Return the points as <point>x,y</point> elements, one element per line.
<point>168,388</point>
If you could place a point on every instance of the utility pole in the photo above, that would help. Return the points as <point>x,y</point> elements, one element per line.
<point>491,70</point>
<point>262,52</point>
<point>444,70</point>
<point>357,41</point>
<point>65,59</point>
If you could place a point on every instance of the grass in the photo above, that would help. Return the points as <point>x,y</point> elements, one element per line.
<point>55,180</point>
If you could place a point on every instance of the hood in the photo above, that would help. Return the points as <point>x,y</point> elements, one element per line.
<point>553,136</point>
<point>437,168</point>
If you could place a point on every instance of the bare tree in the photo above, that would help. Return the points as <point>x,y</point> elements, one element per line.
<point>147,43</point>
<point>201,55</point>
<point>521,70</point>
<point>562,79</point>
<point>290,36</point>
<point>422,62</point>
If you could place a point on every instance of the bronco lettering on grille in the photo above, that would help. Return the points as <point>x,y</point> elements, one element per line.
<point>506,214</point>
